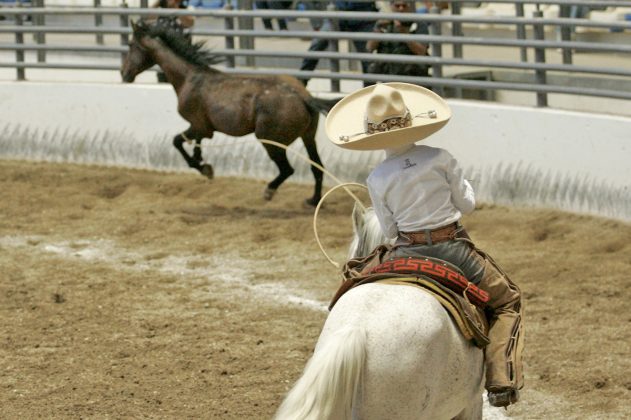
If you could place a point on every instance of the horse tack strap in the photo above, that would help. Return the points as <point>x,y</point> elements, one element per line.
<point>436,269</point>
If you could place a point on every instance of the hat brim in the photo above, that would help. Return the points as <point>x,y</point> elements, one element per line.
<point>346,119</point>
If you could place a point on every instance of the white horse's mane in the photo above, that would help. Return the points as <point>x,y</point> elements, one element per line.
<point>367,233</point>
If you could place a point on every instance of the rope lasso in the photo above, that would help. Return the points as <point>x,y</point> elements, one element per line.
<point>340,184</point>
<point>320,167</point>
<point>317,209</point>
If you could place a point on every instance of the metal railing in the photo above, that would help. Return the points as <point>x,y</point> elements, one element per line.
<point>452,36</point>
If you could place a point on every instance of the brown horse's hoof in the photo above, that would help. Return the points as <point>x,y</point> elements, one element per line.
<point>207,171</point>
<point>312,202</point>
<point>268,194</point>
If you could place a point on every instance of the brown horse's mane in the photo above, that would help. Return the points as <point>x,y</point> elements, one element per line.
<point>179,43</point>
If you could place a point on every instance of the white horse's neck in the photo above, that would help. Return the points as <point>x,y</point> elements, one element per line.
<point>367,232</point>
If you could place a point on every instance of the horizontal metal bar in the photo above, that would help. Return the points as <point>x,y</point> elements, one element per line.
<point>601,3</point>
<point>363,36</point>
<point>65,66</point>
<point>604,3</point>
<point>396,58</point>
<point>69,48</point>
<point>65,29</point>
<point>338,15</point>
<point>432,81</point>
<point>483,4</point>
<point>458,40</point>
<point>429,60</point>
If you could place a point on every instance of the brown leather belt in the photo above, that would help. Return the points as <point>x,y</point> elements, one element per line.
<point>430,237</point>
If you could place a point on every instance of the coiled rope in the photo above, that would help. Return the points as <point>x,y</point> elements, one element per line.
<point>315,214</point>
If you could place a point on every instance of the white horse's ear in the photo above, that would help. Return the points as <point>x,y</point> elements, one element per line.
<point>358,218</point>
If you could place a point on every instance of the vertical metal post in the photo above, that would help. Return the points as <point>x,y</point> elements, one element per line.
<point>456,29</point>
<point>144,4</point>
<point>124,21</point>
<point>521,31</point>
<point>566,33</point>
<point>437,50</point>
<point>540,57</point>
<point>40,37</point>
<point>228,24</point>
<point>98,21</point>
<point>246,42</point>
<point>19,39</point>
<point>334,46</point>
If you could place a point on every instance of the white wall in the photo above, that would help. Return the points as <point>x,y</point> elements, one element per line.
<point>579,144</point>
<point>513,154</point>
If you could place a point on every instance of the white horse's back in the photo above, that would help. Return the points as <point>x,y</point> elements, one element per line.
<point>417,364</point>
<point>388,352</point>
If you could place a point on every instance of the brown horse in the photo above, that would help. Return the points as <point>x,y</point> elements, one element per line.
<point>276,108</point>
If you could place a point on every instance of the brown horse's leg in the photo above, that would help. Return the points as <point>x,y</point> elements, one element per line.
<point>195,161</point>
<point>279,156</point>
<point>312,150</point>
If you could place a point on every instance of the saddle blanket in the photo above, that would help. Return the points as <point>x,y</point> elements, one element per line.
<point>462,299</point>
<point>439,270</point>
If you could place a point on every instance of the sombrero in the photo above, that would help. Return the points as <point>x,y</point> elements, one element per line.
<point>386,115</point>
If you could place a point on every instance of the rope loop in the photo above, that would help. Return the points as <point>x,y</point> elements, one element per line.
<point>340,184</point>
<point>317,210</point>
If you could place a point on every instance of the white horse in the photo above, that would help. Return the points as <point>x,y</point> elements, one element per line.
<point>387,352</point>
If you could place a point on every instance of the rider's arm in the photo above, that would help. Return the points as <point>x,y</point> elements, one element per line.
<point>462,195</point>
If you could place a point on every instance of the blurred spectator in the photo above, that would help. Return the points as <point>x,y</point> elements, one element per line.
<point>176,22</point>
<point>441,5</point>
<point>318,44</point>
<point>315,6</point>
<point>399,47</point>
<point>271,5</point>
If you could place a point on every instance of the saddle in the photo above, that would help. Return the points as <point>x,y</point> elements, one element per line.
<point>463,300</point>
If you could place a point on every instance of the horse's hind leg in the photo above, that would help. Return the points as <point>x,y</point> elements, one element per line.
<point>312,150</point>
<point>195,161</point>
<point>279,156</point>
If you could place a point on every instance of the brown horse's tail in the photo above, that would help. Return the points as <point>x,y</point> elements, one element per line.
<point>322,105</point>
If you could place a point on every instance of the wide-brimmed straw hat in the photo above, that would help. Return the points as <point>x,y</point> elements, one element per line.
<point>386,115</point>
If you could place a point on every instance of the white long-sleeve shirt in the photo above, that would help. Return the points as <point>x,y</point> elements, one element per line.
<point>421,188</point>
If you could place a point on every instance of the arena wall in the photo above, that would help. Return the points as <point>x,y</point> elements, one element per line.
<point>513,155</point>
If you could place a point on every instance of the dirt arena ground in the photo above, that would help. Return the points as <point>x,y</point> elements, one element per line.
<point>136,294</point>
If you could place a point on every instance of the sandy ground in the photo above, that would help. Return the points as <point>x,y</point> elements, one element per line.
<point>136,294</point>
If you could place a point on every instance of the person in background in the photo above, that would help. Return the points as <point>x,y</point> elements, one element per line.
<point>441,5</point>
<point>271,5</point>
<point>397,47</point>
<point>318,44</point>
<point>314,6</point>
<point>178,23</point>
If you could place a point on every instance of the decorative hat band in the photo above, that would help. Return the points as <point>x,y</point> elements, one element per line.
<point>392,123</point>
